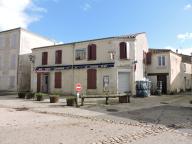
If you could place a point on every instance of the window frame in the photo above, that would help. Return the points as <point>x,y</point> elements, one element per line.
<point>44,58</point>
<point>58,57</point>
<point>81,53</point>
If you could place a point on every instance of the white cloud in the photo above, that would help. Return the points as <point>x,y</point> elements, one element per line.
<point>188,7</point>
<point>86,7</point>
<point>18,13</point>
<point>185,36</point>
<point>186,51</point>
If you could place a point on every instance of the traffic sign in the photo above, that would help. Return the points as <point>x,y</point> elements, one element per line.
<point>78,87</point>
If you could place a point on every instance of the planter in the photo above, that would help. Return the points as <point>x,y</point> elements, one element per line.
<point>71,101</point>
<point>124,99</point>
<point>54,99</point>
<point>40,98</point>
<point>30,95</point>
<point>21,94</point>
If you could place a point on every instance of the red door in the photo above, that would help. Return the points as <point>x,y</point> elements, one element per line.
<point>38,82</point>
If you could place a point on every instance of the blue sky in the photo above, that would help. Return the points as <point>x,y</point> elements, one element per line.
<point>168,23</point>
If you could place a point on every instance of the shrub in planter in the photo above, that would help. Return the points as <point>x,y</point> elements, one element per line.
<point>54,98</point>
<point>71,101</point>
<point>30,95</point>
<point>21,94</point>
<point>39,96</point>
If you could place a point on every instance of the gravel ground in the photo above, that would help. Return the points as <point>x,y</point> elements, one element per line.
<point>152,120</point>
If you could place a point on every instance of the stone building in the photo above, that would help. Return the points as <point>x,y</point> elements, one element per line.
<point>15,46</point>
<point>110,65</point>
<point>172,69</point>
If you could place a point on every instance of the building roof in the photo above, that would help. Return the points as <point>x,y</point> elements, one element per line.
<point>130,36</point>
<point>184,58</point>
<point>22,29</point>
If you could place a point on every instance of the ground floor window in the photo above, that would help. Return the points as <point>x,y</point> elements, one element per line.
<point>58,77</point>
<point>91,79</point>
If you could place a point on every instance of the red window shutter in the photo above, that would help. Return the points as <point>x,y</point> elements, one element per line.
<point>149,54</point>
<point>58,57</point>
<point>123,50</point>
<point>92,52</point>
<point>58,79</point>
<point>38,82</point>
<point>91,79</point>
<point>89,52</point>
<point>44,58</point>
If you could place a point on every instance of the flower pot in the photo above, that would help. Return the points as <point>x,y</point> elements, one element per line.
<point>30,95</point>
<point>21,94</point>
<point>40,98</point>
<point>71,102</point>
<point>54,99</point>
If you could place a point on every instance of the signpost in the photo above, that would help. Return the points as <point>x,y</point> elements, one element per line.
<point>78,88</point>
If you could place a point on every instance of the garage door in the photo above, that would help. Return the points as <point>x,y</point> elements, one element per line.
<point>123,82</point>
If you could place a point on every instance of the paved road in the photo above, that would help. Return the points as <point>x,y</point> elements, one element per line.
<point>151,120</point>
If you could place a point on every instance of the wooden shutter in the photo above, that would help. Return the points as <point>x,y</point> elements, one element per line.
<point>58,57</point>
<point>58,79</point>
<point>91,79</point>
<point>123,50</point>
<point>149,54</point>
<point>92,52</point>
<point>44,58</point>
<point>38,82</point>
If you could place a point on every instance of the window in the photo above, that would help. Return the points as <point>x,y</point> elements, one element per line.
<point>13,61</point>
<point>184,67</point>
<point>80,54</point>
<point>148,58</point>
<point>92,52</point>
<point>44,58</point>
<point>13,41</point>
<point>91,79</point>
<point>11,82</point>
<point>0,63</point>
<point>58,79</point>
<point>2,42</point>
<point>124,50</point>
<point>58,57</point>
<point>161,60</point>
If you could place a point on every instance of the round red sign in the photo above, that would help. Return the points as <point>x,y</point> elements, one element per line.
<point>78,87</point>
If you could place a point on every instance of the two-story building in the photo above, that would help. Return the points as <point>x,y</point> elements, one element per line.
<point>172,69</point>
<point>15,46</point>
<point>110,64</point>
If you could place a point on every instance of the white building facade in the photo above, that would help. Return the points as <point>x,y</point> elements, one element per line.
<point>110,65</point>
<point>15,46</point>
<point>172,69</point>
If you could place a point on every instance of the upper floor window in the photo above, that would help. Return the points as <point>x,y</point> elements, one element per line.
<point>161,60</point>
<point>44,58</point>
<point>13,41</point>
<point>92,52</point>
<point>80,54</point>
<point>124,50</point>
<point>58,57</point>
<point>2,42</point>
<point>0,62</point>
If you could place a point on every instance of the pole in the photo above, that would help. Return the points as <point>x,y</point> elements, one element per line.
<point>77,100</point>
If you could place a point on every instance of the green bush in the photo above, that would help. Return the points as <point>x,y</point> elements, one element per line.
<point>30,95</point>
<point>40,96</point>
<point>21,94</point>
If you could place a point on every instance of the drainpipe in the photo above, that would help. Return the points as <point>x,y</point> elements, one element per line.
<point>73,68</point>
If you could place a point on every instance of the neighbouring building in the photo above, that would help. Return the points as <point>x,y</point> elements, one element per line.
<point>172,69</point>
<point>111,65</point>
<point>15,46</point>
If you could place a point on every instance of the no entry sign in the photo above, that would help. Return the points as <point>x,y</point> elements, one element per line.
<point>78,87</point>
